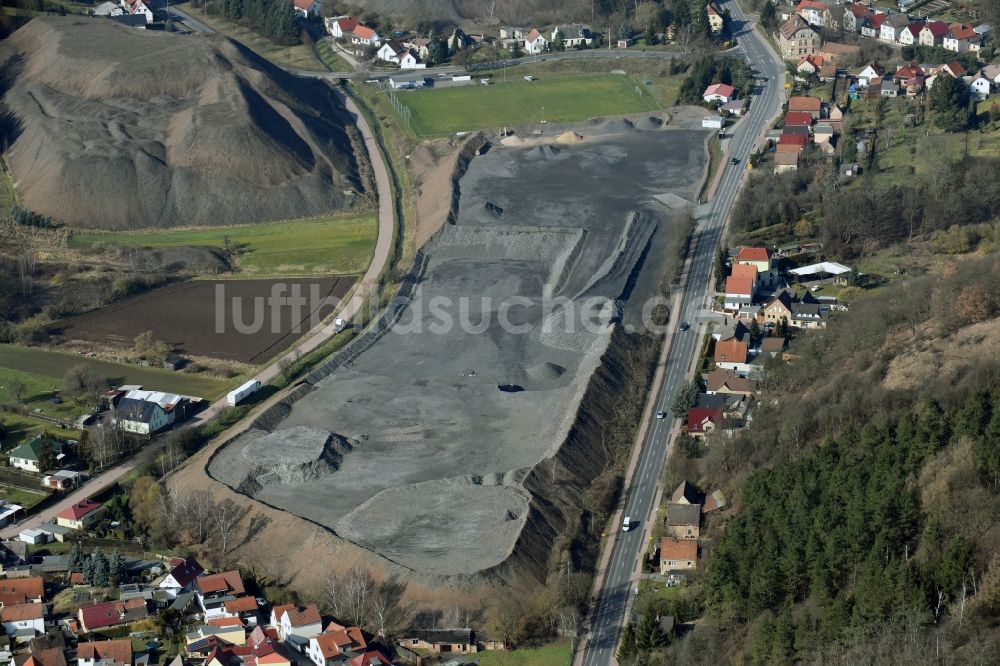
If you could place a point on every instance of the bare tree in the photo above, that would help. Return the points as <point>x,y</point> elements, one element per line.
<point>357,595</point>
<point>18,389</point>
<point>568,621</point>
<point>224,517</point>
<point>683,37</point>
<point>334,594</point>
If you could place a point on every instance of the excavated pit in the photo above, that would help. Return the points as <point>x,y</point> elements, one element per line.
<point>452,427</point>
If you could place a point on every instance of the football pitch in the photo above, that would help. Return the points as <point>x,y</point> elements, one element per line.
<point>549,98</point>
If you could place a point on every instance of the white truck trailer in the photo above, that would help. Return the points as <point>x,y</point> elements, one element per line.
<point>240,394</point>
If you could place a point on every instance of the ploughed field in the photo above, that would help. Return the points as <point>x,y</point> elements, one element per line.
<point>417,447</point>
<point>248,321</point>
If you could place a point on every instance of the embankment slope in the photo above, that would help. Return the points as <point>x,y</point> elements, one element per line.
<point>118,128</point>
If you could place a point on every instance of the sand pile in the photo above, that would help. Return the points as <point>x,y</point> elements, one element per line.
<point>569,137</point>
<point>123,128</point>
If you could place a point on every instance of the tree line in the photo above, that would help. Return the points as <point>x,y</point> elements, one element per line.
<point>708,70</point>
<point>274,19</point>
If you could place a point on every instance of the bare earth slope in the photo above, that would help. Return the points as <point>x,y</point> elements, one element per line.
<point>122,128</point>
<point>476,12</point>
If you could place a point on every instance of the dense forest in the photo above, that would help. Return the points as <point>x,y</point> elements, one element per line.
<point>865,524</point>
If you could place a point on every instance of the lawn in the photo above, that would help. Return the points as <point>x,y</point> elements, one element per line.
<point>331,245</point>
<point>25,498</point>
<point>516,102</point>
<point>330,58</point>
<point>552,654</point>
<point>302,56</point>
<point>53,364</point>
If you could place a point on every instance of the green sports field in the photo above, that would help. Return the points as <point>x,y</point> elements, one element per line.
<point>551,98</point>
<point>337,245</point>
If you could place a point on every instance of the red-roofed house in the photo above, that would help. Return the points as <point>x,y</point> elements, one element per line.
<point>111,613</point>
<point>341,27</point>
<point>910,35</point>
<point>677,555</point>
<point>18,591</point>
<point>855,15</point>
<point>798,119</point>
<point>214,590</point>
<point>369,658</point>
<point>959,37</point>
<point>80,516</point>
<point>296,622</point>
<point>811,105</point>
<point>23,617</point>
<point>365,36</point>
<point>535,42</point>
<point>703,420</point>
<point>306,8</point>
<point>740,286</point>
<point>758,257</point>
<point>809,64</point>
<point>105,653</point>
<point>732,354</point>
<point>872,26</point>
<point>933,33</point>
<point>719,92</point>
<point>791,143</point>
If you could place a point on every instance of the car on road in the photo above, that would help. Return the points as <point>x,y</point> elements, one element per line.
<point>626,524</point>
<point>684,326</point>
<point>661,414</point>
<point>735,160</point>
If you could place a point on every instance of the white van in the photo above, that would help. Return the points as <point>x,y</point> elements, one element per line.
<point>626,524</point>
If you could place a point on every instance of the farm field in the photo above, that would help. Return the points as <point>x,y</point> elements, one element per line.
<point>337,245</point>
<point>46,363</point>
<point>192,319</point>
<point>551,98</point>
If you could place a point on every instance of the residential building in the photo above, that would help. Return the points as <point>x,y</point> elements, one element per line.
<point>141,8</point>
<point>141,417</point>
<point>307,8</point>
<point>111,614</point>
<point>810,105</point>
<point>784,162</point>
<point>296,623</point>
<point>336,644</point>
<point>740,286</point>
<point>513,33</point>
<point>809,64</point>
<point>735,107</point>
<point>243,608</point>
<point>369,658</point>
<point>758,257</point>
<point>63,479</point>
<point>407,81</point>
<point>872,26</point>
<point>686,493</point>
<point>391,51</point>
<point>105,653</point>
<point>726,381</point>
<point>715,20</point>
<point>778,309</point>
<point>797,38</point>
<point>715,500</point>
<point>733,354</point>
<point>807,315</point>
<point>854,15</point>
<point>992,72</point>
<point>26,455</point>
<point>683,521</point>
<point>214,590</point>
<point>705,419</point>
<point>182,576</point>
<point>341,27</point>
<point>815,12</point>
<point>933,33</point>
<point>572,34</point>
<point>20,591</point>
<point>678,555</point>
<point>910,35</point>
<point>869,73</point>
<point>958,37</point>
<point>535,43</point>
<point>798,119</point>
<point>892,27</point>
<point>27,618</point>
<point>719,92</point>
<point>81,515</point>
<point>12,554</point>
<point>773,346</point>
<point>365,36</point>
<point>440,641</point>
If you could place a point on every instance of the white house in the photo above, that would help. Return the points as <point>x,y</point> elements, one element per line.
<point>979,86</point>
<point>142,417</point>
<point>182,576</point>
<point>391,51</point>
<point>719,92</point>
<point>307,8</point>
<point>892,27</point>
<point>365,36</point>
<point>933,33</point>
<point>910,35</point>
<point>328,649</point>
<point>296,623</point>
<point>29,617</point>
<point>573,34</point>
<point>341,27</point>
<point>108,9</point>
<point>992,72</point>
<point>958,38</point>
<point>535,43</point>
<point>26,455</point>
<point>871,71</point>
<point>409,60</point>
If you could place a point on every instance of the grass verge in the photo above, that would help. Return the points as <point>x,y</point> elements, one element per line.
<point>714,161</point>
<point>24,498</point>
<point>330,58</point>
<point>302,56</point>
<point>327,245</point>
<point>46,363</point>
<point>545,655</point>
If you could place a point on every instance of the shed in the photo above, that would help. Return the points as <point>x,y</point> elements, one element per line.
<point>713,122</point>
<point>33,536</point>
<point>407,81</point>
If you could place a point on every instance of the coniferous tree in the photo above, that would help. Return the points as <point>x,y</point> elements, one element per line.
<point>76,557</point>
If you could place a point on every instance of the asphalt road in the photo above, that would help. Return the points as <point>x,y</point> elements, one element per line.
<point>633,545</point>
